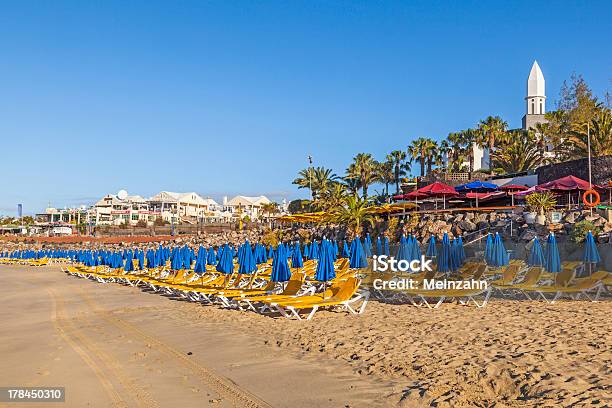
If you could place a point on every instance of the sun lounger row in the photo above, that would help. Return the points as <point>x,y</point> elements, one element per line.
<point>299,298</point>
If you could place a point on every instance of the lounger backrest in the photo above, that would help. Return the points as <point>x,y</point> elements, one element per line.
<point>343,263</point>
<point>533,275</point>
<point>468,269</point>
<point>252,279</point>
<point>564,277</point>
<point>510,273</point>
<point>269,286</point>
<point>479,272</point>
<point>601,275</point>
<point>589,281</point>
<point>295,284</point>
<point>347,289</point>
<point>430,274</point>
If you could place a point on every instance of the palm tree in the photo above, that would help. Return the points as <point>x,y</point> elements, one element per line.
<point>490,129</point>
<point>468,138</point>
<point>351,184</point>
<point>521,154</point>
<point>432,152</point>
<point>460,149</point>
<point>422,149</point>
<point>386,173</point>
<point>363,169</point>
<point>397,157</point>
<point>443,154</point>
<point>315,178</point>
<point>269,208</point>
<point>353,214</point>
<point>333,196</point>
<point>600,129</point>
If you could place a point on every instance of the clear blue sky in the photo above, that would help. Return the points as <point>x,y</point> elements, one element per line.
<point>230,97</point>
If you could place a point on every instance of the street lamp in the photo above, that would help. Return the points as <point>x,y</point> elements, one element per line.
<point>310,176</point>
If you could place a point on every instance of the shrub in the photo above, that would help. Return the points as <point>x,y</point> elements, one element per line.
<point>541,202</point>
<point>272,237</point>
<point>580,230</point>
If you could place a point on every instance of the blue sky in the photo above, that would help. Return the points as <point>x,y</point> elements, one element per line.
<point>230,97</point>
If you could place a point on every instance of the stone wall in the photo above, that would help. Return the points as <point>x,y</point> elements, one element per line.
<point>601,170</point>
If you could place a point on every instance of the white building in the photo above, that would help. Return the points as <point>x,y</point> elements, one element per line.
<point>74,215</point>
<point>122,209</point>
<point>184,207</point>
<point>242,206</point>
<point>172,207</point>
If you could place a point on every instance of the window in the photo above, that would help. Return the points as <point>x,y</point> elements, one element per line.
<point>532,107</point>
<point>541,110</point>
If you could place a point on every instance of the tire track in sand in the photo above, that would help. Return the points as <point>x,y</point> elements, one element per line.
<point>222,385</point>
<point>66,334</point>
<point>138,395</point>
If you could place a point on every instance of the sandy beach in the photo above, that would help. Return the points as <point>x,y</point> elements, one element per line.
<point>116,346</point>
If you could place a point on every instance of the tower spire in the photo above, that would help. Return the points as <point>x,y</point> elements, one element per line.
<point>536,86</point>
<point>536,97</point>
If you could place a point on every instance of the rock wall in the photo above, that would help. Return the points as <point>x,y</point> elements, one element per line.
<point>601,170</point>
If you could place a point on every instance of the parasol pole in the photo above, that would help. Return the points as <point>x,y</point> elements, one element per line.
<point>589,148</point>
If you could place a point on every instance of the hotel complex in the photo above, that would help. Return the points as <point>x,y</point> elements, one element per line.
<point>164,207</point>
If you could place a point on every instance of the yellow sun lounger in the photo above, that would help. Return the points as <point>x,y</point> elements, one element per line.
<point>581,287</point>
<point>292,289</point>
<point>419,297</point>
<point>530,279</point>
<point>344,295</point>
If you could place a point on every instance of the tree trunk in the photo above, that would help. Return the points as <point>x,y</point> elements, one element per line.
<point>397,179</point>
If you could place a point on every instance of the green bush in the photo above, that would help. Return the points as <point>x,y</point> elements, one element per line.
<point>541,203</point>
<point>581,229</point>
<point>272,237</point>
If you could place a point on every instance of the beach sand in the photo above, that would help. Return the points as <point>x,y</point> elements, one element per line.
<point>111,345</point>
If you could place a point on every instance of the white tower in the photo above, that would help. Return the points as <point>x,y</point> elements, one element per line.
<point>536,98</point>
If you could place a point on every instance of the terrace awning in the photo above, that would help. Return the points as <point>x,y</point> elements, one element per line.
<point>513,188</point>
<point>568,183</point>
<point>485,196</point>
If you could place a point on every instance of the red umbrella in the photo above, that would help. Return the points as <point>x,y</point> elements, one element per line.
<point>438,189</point>
<point>415,194</point>
<point>568,183</point>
